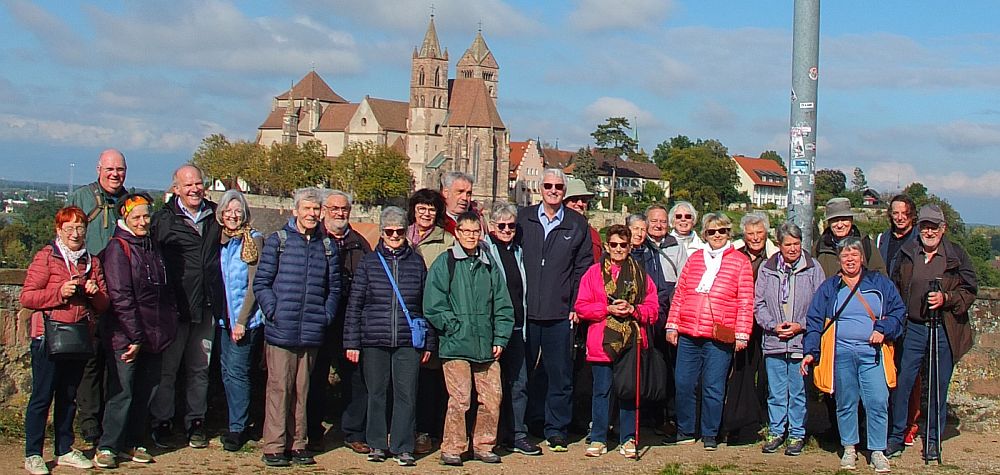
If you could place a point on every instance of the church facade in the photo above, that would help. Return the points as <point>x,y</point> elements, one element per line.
<point>445,125</point>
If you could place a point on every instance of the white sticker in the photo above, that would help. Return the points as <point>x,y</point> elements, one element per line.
<point>807,105</point>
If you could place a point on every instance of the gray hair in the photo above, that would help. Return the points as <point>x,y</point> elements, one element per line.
<point>755,219</point>
<point>851,243</point>
<point>503,210</point>
<point>347,196</point>
<point>450,178</point>
<point>787,229</point>
<point>392,216</point>
<point>556,172</point>
<point>654,207</point>
<point>719,219</point>
<point>310,194</point>
<point>634,218</point>
<point>677,207</point>
<point>233,195</point>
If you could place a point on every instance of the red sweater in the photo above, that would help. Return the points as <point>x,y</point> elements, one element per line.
<point>729,302</point>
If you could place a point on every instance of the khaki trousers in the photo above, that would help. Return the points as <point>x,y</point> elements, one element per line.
<point>459,376</point>
<point>288,372</point>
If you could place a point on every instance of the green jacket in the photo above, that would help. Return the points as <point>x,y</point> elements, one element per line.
<point>471,309</point>
<point>103,218</point>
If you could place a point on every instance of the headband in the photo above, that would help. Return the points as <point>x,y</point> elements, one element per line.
<point>132,201</point>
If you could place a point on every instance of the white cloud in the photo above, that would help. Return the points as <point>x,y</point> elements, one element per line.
<point>888,175</point>
<point>598,15</point>
<point>715,115</point>
<point>499,19</point>
<point>598,111</point>
<point>50,31</point>
<point>127,132</point>
<point>968,136</point>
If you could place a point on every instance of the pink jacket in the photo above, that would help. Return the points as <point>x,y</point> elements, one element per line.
<point>729,302</point>
<point>46,275</point>
<point>592,305</point>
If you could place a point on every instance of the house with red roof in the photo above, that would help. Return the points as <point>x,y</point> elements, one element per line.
<point>763,180</point>
<point>526,166</point>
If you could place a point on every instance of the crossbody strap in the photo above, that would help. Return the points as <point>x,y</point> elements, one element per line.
<point>868,308</point>
<point>840,310</point>
<point>395,289</point>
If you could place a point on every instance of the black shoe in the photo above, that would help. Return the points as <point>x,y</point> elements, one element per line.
<point>161,435</point>
<point>232,441</point>
<point>451,460</point>
<point>197,439</point>
<point>678,439</point>
<point>91,436</point>
<point>795,447</point>
<point>710,443</point>
<point>376,455</point>
<point>275,460</point>
<point>557,443</point>
<point>524,446</point>
<point>894,449</point>
<point>487,457</point>
<point>302,457</point>
<point>932,453</point>
<point>405,459</point>
<point>772,444</point>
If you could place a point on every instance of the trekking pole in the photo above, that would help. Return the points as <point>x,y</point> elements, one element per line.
<point>638,377</point>
<point>933,378</point>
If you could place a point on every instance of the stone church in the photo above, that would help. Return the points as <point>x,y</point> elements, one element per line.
<point>447,124</point>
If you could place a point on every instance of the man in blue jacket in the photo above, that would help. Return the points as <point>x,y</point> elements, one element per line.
<point>556,246</point>
<point>298,288</point>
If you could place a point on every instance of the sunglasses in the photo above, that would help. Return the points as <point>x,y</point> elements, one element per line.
<point>683,216</point>
<point>389,232</point>
<point>503,226</point>
<point>713,232</point>
<point>617,245</point>
<point>558,186</point>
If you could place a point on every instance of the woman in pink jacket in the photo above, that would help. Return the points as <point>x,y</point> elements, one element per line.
<point>711,314</point>
<point>616,286</point>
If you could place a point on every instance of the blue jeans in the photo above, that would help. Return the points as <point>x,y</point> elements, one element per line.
<point>554,340</point>
<point>236,359</point>
<point>858,375</point>
<point>786,396</point>
<point>912,361</point>
<point>705,361</point>
<point>514,375</point>
<point>603,376</point>
<point>51,380</point>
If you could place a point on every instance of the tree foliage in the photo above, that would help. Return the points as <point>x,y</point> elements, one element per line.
<point>613,139</point>
<point>373,173</point>
<point>585,168</point>
<point>859,183</point>
<point>32,228</point>
<point>699,175</point>
<point>829,184</point>
<point>275,170</point>
<point>773,156</point>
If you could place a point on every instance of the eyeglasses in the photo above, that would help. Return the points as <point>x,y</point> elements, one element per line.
<point>424,209</point>
<point>713,232</point>
<point>232,212</point>
<point>469,232</point>
<point>558,186</point>
<point>390,232</point>
<point>331,209</point>
<point>683,216</point>
<point>74,229</point>
<point>617,245</point>
<point>578,198</point>
<point>502,226</point>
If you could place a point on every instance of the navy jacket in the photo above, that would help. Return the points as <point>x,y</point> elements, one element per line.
<point>649,256</point>
<point>299,290</point>
<point>882,243</point>
<point>555,264</point>
<point>374,316</point>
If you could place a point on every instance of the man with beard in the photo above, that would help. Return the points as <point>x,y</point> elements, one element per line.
<point>840,224</point>
<point>902,213</point>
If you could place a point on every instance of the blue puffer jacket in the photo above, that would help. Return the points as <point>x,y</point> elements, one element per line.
<point>374,316</point>
<point>238,278</point>
<point>298,291</point>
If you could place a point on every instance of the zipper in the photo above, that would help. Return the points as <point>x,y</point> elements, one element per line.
<point>302,305</point>
<point>395,318</point>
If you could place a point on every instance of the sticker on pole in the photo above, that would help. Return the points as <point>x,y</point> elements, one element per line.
<point>814,73</point>
<point>807,105</point>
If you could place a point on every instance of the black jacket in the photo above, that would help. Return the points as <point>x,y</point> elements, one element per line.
<point>553,265</point>
<point>192,261</point>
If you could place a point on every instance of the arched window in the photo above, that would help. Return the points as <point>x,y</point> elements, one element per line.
<point>364,121</point>
<point>475,158</point>
<point>437,77</point>
<point>420,77</point>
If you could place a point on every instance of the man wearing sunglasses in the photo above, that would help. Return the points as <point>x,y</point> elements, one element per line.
<point>556,246</point>
<point>682,218</point>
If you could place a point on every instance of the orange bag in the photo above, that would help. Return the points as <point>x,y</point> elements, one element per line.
<point>823,372</point>
<point>888,350</point>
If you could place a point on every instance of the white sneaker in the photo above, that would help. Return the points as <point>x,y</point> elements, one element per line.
<point>74,458</point>
<point>628,449</point>
<point>35,465</point>
<point>849,460</point>
<point>596,449</point>
<point>880,462</point>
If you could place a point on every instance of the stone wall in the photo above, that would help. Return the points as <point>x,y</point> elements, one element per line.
<point>975,393</point>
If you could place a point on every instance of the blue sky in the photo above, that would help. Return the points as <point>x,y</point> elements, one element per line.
<point>909,91</point>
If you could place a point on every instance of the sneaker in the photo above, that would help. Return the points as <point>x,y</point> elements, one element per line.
<point>276,460</point>
<point>358,447</point>
<point>908,438</point>
<point>35,465</point>
<point>880,462</point>
<point>232,441</point>
<point>524,446</point>
<point>105,459</point>
<point>894,449</point>
<point>772,443</point>
<point>710,443</point>
<point>423,444</point>
<point>405,459</point>
<point>196,435</point>
<point>596,449</point>
<point>161,435</point>
<point>141,455</point>
<point>74,458</point>
<point>451,460</point>
<point>795,447</point>
<point>376,455</point>
<point>302,457</point>
<point>486,457</point>
<point>678,439</point>
<point>849,460</point>
<point>932,452</point>
<point>628,449</point>
<point>557,443</point>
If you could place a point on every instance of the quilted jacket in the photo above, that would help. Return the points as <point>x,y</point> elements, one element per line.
<point>729,302</point>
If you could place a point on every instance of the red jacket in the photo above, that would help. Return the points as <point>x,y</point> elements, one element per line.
<point>592,305</point>
<point>46,275</point>
<point>729,302</point>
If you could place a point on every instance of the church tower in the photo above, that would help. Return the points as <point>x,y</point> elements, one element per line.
<point>290,121</point>
<point>428,103</point>
<point>478,62</point>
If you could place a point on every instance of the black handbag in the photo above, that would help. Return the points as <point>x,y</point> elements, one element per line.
<point>651,368</point>
<point>68,341</point>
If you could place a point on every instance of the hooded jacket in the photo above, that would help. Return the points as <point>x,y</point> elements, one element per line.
<point>769,312</point>
<point>554,264</point>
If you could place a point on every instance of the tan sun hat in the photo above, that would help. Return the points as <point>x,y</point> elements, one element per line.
<point>575,188</point>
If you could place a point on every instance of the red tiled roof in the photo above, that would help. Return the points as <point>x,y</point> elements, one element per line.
<point>391,115</point>
<point>517,150</point>
<point>757,167</point>
<point>336,117</point>
<point>311,86</point>
<point>554,158</point>
<point>626,168</point>
<point>471,105</point>
<point>399,145</point>
<point>274,120</point>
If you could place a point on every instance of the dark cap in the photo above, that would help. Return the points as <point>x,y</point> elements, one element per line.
<point>839,208</point>
<point>930,213</point>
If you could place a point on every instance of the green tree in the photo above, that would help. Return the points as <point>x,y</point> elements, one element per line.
<point>613,139</point>
<point>373,173</point>
<point>285,167</point>
<point>916,190</point>
<point>773,156</point>
<point>714,146</point>
<point>859,183</point>
<point>829,184</point>
<point>697,174</point>
<point>585,168</point>
<point>226,161</point>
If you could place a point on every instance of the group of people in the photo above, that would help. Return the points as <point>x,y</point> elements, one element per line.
<point>456,311</point>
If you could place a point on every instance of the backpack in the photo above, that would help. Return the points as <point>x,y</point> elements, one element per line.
<point>283,237</point>
<point>100,204</point>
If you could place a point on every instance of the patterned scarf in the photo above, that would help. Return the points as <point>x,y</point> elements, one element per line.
<point>72,256</point>
<point>249,252</point>
<point>630,285</point>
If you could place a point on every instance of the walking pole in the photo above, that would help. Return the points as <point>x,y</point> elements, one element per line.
<point>638,374</point>
<point>933,378</point>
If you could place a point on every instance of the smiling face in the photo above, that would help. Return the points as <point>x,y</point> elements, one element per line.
<point>659,225</point>
<point>336,213</point>
<point>138,220</point>
<point>683,221</point>
<point>189,187</point>
<point>638,229</point>
<point>931,234</point>
<point>73,234</point>
<point>232,216</point>
<point>468,233</point>
<point>841,227</point>
<point>716,235</point>
<point>791,249</point>
<point>394,236</point>
<point>851,262</point>
<point>755,236</point>
<point>307,215</point>
<point>425,214</point>
<point>458,196</point>
<point>578,204</point>
<point>902,220</point>
<point>504,228</point>
<point>618,248</point>
<point>111,171</point>
<point>553,190</point>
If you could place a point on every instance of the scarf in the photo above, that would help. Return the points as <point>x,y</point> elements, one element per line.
<point>786,270</point>
<point>630,285</point>
<point>248,252</point>
<point>71,256</point>
<point>413,235</point>
<point>713,262</point>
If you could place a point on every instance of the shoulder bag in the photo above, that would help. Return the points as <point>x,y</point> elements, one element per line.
<point>418,324</point>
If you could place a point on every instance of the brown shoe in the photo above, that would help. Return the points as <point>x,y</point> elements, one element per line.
<point>423,444</point>
<point>358,447</point>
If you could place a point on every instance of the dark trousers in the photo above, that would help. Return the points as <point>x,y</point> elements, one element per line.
<point>432,399</point>
<point>353,399</point>
<point>90,394</point>
<point>553,340</point>
<point>318,400</point>
<point>913,360</point>
<point>514,376</point>
<point>351,389</point>
<point>400,368</point>
<point>130,386</point>
<point>50,380</point>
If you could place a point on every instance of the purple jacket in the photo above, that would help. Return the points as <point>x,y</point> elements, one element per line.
<point>768,309</point>
<point>142,306</point>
